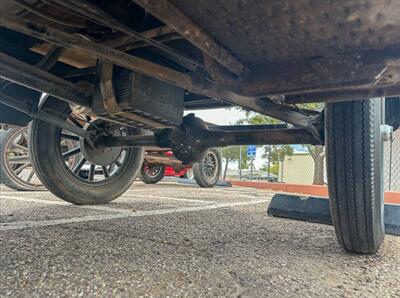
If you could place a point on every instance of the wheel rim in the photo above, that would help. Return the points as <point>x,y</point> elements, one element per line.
<point>78,165</point>
<point>17,162</point>
<point>152,170</point>
<point>210,165</point>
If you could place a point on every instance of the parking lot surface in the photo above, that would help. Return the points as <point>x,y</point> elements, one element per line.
<point>173,240</point>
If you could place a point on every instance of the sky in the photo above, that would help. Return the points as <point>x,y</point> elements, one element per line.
<point>223,116</point>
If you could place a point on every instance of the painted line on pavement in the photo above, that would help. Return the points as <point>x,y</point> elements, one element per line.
<point>54,222</point>
<point>126,194</point>
<point>169,198</point>
<point>66,204</point>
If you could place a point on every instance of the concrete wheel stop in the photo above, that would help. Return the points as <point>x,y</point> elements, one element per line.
<point>316,209</point>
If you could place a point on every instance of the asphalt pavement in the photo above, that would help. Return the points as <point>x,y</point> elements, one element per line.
<point>179,240</point>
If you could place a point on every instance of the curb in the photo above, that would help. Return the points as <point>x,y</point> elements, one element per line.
<point>391,197</point>
<point>317,210</point>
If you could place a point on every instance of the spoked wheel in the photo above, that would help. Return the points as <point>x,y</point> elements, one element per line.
<point>355,174</point>
<point>152,173</point>
<point>207,171</point>
<point>16,170</point>
<point>99,175</point>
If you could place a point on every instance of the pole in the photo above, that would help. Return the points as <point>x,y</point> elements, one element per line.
<point>269,161</point>
<point>390,163</point>
<point>240,162</point>
<point>251,169</point>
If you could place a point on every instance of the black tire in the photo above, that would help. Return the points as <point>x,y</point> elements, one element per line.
<point>204,178</point>
<point>8,176</point>
<point>60,180</point>
<point>355,174</point>
<point>151,174</point>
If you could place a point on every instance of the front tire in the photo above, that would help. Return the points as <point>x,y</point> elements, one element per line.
<point>355,174</point>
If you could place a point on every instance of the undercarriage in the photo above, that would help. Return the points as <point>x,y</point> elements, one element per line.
<point>101,73</point>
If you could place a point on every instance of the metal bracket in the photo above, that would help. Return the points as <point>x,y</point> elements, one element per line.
<point>34,112</point>
<point>107,88</point>
<point>386,132</point>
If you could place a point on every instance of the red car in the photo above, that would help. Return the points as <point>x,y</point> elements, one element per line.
<point>159,163</point>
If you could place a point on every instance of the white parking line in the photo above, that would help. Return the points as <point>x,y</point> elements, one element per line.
<point>168,198</point>
<point>215,192</point>
<point>53,222</point>
<point>126,194</point>
<point>66,204</point>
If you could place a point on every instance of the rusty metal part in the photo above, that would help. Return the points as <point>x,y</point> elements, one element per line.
<point>31,110</point>
<point>343,95</point>
<point>51,58</point>
<point>127,141</point>
<point>32,77</point>
<point>145,67</point>
<point>266,33</point>
<point>124,43</point>
<point>219,74</point>
<point>193,138</point>
<point>155,149</point>
<point>106,105</point>
<point>41,13</point>
<point>158,159</point>
<point>246,127</point>
<point>369,69</point>
<point>104,53</point>
<point>107,88</point>
<point>261,137</point>
<point>140,44</point>
<point>70,57</point>
<point>151,33</point>
<point>176,19</point>
<point>95,13</point>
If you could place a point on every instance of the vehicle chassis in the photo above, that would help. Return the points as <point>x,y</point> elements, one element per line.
<point>287,53</point>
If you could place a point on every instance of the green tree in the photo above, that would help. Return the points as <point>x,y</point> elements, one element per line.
<point>253,118</point>
<point>232,153</point>
<point>274,169</point>
<point>275,154</point>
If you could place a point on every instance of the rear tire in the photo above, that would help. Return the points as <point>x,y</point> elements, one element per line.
<point>207,171</point>
<point>151,174</point>
<point>355,173</point>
